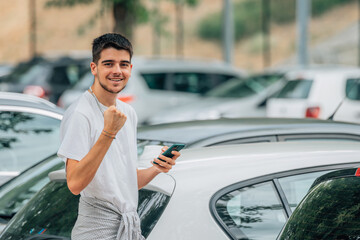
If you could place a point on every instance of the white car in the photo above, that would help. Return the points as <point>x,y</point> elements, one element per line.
<point>29,132</point>
<point>317,94</point>
<point>236,98</point>
<point>243,191</point>
<point>158,84</point>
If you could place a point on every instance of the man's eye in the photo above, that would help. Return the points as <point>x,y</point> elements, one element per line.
<point>125,65</point>
<point>108,64</point>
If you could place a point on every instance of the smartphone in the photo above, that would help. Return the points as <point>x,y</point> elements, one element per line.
<point>175,147</point>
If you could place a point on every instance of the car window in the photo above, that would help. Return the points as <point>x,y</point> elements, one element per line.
<point>218,79</point>
<point>297,89</point>
<point>155,80</point>
<point>353,89</point>
<point>259,210</point>
<point>296,187</point>
<point>17,192</point>
<point>330,211</point>
<point>191,82</point>
<point>53,212</point>
<point>235,88</point>
<point>67,75</point>
<point>253,212</point>
<point>25,139</point>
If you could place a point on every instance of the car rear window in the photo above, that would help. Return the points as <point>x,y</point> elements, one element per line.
<point>52,212</point>
<point>297,89</point>
<point>330,211</point>
<point>353,89</point>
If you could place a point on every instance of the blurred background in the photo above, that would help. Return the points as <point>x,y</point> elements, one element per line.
<point>53,37</point>
<point>265,32</point>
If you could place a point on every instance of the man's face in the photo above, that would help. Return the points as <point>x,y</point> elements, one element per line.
<point>113,69</point>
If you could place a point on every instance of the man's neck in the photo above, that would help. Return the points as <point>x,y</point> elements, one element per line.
<point>104,97</point>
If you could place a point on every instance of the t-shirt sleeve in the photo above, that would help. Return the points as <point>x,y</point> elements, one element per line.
<point>75,137</point>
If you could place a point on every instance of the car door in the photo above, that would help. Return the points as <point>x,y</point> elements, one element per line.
<point>258,208</point>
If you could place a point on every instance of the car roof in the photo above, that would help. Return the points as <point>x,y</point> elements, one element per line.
<point>312,73</point>
<point>183,64</point>
<point>192,132</point>
<point>28,101</point>
<point>253,160</point>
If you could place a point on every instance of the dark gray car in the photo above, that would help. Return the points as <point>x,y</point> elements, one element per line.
<point>329,211</point>
<point>245,130</point>
<point>45,77</point>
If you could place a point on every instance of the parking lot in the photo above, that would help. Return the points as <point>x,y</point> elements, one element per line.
<point>263,95</point>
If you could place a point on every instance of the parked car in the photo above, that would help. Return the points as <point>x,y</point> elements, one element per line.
<point>29,132</point>
<point>330,210</point>
<point>193,134</point>
<point>234,99</point>
<point>163,83</point>
<point>15,193</point>
<point>225,192</point>
<point>46,77</point>
<point>245,130</point>
<point>244,97</point>
<point>317,94</point>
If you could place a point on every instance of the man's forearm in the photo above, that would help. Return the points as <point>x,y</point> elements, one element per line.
<point>80,173</point>
<point>145,176</point>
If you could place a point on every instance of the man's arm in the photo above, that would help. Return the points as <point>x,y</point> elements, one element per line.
<point>80,173</point>
<point>144,176</point>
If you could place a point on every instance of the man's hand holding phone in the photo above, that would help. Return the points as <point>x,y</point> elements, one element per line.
<point>167,158</point>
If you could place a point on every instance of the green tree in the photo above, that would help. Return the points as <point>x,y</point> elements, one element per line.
<point>126,13</point>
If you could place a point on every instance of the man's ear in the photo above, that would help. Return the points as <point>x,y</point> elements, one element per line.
<point>93,68</point>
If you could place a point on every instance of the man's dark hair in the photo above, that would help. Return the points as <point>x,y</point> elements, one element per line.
<point>108,40</point>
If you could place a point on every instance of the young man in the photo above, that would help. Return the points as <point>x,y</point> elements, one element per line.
<point>98,134</point>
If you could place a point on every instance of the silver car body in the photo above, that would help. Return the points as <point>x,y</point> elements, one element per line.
<point>202,175</point>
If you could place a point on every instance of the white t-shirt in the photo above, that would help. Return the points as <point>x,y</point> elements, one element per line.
<point>116,179</point>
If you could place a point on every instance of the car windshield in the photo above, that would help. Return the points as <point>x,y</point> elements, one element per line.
<point>17,192</point>
<point>296,89</point>
<point>330,211</point>
<point>237,88</point>
<point>52,212</point>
